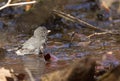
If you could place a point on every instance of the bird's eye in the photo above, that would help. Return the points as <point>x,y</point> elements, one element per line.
<point>44,32</point>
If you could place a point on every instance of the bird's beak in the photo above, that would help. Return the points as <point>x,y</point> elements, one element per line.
<point>49,31</point>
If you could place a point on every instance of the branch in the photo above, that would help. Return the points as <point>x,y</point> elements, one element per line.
<point>16,4</point>
<point>74,19</point>
<point>29,74</point>
<point>94,34</point>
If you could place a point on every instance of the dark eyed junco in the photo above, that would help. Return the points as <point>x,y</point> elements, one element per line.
<point>35,44</point>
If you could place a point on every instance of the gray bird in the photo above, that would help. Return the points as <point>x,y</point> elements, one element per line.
<point>35,44</point>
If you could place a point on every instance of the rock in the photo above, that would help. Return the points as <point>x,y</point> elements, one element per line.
<point>109,60</point>
<point>1,25</point>
<point>81,70</point>
<point>4,74</point>
<point>7,12</point>
<point>104,15</point>
<point>112,75</point>
<point>50,57</point>
<point>2,53</point>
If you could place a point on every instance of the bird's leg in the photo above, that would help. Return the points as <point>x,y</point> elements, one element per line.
<point>41,52</point>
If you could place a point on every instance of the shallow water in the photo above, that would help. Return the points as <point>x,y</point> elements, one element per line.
<point>59,45</point>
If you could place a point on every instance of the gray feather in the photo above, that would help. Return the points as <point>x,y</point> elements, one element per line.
<point>35,44</point>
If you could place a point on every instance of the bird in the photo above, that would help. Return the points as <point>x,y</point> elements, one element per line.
<point>35,44</point>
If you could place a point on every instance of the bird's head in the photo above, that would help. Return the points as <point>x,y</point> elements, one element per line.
<point>41,32</point>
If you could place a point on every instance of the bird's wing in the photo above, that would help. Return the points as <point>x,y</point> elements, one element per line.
<point>34,43</point>
<point>30,43</point>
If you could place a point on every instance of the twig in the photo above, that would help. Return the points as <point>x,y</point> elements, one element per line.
<point>116,21</point>
<point>97,34</point>
<point>72,38</point>
<point>16,4</point>
<point>74,19</point>
<point>29,74</point>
